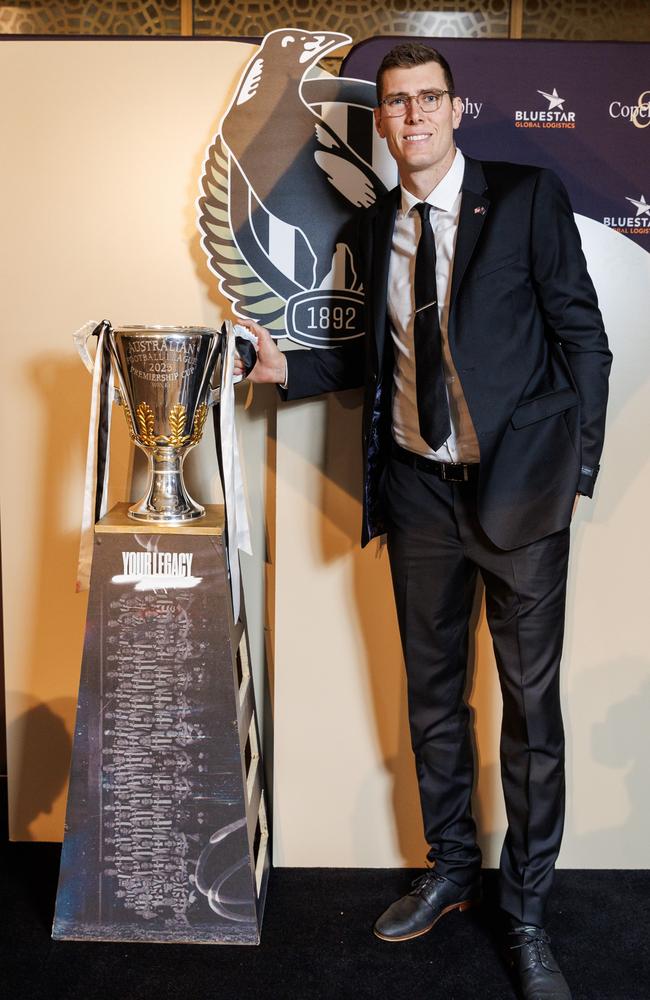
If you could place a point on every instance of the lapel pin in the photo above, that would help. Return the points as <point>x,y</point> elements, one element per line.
<point>480,210</point>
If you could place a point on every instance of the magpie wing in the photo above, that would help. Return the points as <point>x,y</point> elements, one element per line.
<point>259,300</point>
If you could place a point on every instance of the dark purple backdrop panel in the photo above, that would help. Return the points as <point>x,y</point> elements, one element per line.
<point>586,134</point>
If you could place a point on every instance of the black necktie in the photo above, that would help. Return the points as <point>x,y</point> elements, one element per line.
<point>433,411</point>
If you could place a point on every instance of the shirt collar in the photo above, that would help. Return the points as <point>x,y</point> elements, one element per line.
<point>444,193</point>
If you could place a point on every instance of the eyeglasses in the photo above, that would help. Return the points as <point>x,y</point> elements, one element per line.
<point>427,101</point>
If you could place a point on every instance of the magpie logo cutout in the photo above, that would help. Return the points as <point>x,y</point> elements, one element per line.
<point>291,162</point>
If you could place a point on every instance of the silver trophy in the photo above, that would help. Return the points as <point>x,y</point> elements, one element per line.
<point>164,375</point>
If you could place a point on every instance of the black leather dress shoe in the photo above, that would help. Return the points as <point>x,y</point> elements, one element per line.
<point>537,972</point>
<point>416,913</point>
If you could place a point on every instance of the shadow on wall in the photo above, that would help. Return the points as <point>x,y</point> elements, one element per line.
<point>620,743</point>
<point>57,614</point>
<point>385,679</point>
<point>40,764</point>
<point>618,740</point>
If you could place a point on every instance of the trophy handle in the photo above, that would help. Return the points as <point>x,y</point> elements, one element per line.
<point>214,395</point>
<point>81,338</point>
<point>247,353</point>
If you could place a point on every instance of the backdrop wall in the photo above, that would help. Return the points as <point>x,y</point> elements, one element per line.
<point>105,142</point>
<point>103,146</point>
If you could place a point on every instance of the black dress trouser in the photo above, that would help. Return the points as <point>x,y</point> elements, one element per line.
<point>436,548</point>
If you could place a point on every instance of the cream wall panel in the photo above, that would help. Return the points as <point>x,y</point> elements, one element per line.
<point>102,150</point>
<point>344,780</point>
<point>607,666</point>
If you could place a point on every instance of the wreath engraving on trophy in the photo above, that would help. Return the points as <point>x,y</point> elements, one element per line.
<point>177,419</point>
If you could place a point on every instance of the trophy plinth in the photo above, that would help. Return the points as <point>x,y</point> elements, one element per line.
<point>166,836</point>
<point>164,377</point>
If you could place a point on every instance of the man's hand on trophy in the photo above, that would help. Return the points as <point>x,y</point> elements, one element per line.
<point>271,363</point>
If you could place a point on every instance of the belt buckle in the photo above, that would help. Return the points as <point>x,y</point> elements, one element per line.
<point>461,472</point>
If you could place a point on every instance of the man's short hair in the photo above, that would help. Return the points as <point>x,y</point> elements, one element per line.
<point>409,54</point>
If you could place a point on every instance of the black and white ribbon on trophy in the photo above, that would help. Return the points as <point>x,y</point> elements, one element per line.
<point>95,498</point>
<point>237,339</point>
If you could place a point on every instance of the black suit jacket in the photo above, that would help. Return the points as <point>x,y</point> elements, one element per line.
<point>527,340</point>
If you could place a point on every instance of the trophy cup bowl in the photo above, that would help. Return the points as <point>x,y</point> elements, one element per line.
<point>164,375</point>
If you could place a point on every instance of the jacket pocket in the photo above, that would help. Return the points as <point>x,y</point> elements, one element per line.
<point>532,410</point>
<point>496,263</point>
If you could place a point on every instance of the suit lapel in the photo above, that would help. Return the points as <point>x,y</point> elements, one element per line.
<point>383,238</point>
<point>474,207</point>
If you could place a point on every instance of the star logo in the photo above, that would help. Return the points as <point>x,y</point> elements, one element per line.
<point>554,101</point>
<point>642,206</point>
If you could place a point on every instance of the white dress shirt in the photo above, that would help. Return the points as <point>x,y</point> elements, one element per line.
<point>462,443</point>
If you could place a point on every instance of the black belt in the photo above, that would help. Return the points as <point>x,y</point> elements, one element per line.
<point>450,472</point>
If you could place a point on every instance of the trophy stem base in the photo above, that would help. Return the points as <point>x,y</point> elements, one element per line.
<point>166,500</point>
<point>139,512</point>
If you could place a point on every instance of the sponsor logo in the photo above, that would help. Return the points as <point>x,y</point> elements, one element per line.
<point>553,100</point>
<point>471,109</point>
<point>632,225</point>
<point>636,113</point>
<point>554,116</point>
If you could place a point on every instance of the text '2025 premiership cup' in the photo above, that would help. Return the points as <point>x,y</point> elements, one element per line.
<point>164,377</point>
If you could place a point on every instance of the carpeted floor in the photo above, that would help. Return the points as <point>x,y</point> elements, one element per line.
<point>317,945</point>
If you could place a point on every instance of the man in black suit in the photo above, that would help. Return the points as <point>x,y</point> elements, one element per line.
<point>485,367</point>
